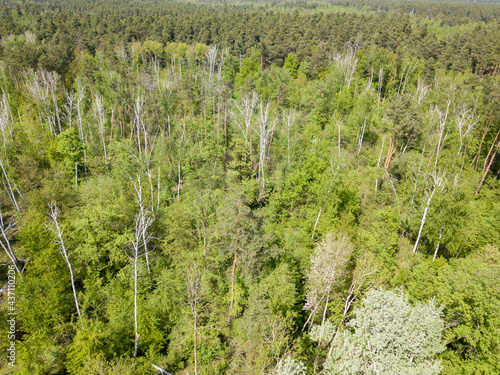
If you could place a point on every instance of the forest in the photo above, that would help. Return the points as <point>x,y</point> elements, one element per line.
<point>249,187</point>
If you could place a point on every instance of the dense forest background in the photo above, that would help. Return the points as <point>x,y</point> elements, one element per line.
<point>219,187</point>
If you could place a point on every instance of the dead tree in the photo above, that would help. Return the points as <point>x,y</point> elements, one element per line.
<point>50,79</point>
<point>6,119</point>
<point>143,212</point>
<point>40,92</point>
<point>360,143</point>
<point>421,91</point>
<point>135,252</point>
<point>289,119</point>
<point>69,106</point>
<point>435,182</point>
<point>465,121</point>
<point>489,160</point>
<point>139,125</point>
<point>194,299</point>
<point>243,114</point>
<point>264,131</point>
<point>211,56</point>
<point>63,250</point>
<point>99,114</point>
<point>6,244</point>
<point>328,266</point>
<point>443,117</point>
<point>380,82</point>
<point>8,187</point>
<point>346,65</point>
<point>79,105</point>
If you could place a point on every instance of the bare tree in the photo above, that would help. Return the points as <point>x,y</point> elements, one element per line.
<point>443,117</point>
<point>488,161</point>
<point>63,250</point>
<point>465,121</point>
<point>264,131</point>
<point>194,299</point>
<point>366,266</point>
<point>243,114</point>
<point>40,92</point>
<point>143,212</point>
<point>211,55</point>
<point>328,266</point>
<point>79,98</point>
<point>408,69</point>
<point>360,143</point>
<point>6,119</point>
<point>140,125</point>
<point>380,82</point>
<point>138,243</point>
<point>5,243</point>
<point>435,182</point>
<point>8,186</point>
<point>421,91</point>
<point>99,114</point>
<point>50,79</point>
<point>289,119</point>
<point>346,65</point>
<point>69,106</point>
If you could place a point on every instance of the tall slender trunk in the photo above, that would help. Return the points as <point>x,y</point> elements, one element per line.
<point>424,219</point>
<point>136,344</point>
<point>195,327</point>
<point>233,272</point>
<point>437,247</point>
<point>53,213</point>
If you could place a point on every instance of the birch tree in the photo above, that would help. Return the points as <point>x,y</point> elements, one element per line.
<point>99,114</point>
<point>139,125</point>
<point>8,187</point>
<point>346,65</point>
<point>194,299</point>
<point>242,114</point>
<point>421,91</point>
<point>63,250</point>
<point>327,267</point>
<point>443,117</point>
<point>435,182</point>
<point>6,121</point>
<point>39,91</point>
<point>264,131</point>
<point>144,213</point>
<point>465,121</point>
<point>5,243</point>
<point>289,119</point>
<point>136,250</point>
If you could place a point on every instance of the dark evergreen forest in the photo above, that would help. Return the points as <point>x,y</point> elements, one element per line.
<point>249,187</point>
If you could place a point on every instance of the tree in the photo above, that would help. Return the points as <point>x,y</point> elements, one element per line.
<point>289,366</point>
<point>292,65</point>
<point>467,288</point>
<point>264,131</point>
<point>435,182</point>
<point>56,229</point>
<point>389,336</point>
<point>328,266</point>
<point>194,293</point>
<point>139,248</point>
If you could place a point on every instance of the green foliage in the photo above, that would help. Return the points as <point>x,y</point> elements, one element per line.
<point>292,65</point>
<point>250,66</point>
<point>466,288</point>
<point>68,150</point>
<point>237,278</point>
